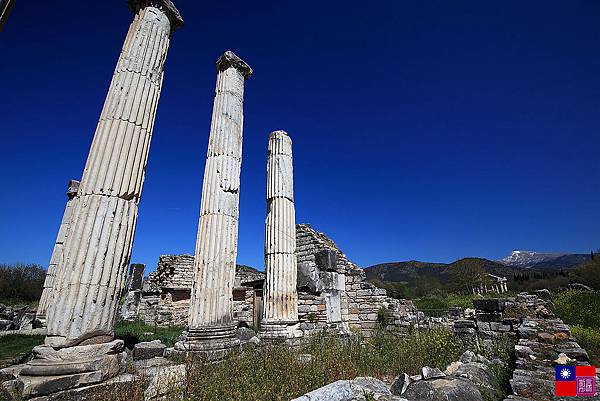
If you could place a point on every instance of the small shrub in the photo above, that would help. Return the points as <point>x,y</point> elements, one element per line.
<point>384,317</point>
<point>589,339</point>
<point>579,308</point>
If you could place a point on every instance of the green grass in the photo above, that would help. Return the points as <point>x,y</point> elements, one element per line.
<point>133,333</point>
<point>580,310</point>
<point>13,345</point>
<point>277,373</point>
<point>589,339</point>
<point>440,300</point>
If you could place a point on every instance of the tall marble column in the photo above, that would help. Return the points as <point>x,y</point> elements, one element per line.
<point>96,253</point>
<point>80,349</point>
<point>280,312</point>
<point>57,252</point>
<point>211,327</point>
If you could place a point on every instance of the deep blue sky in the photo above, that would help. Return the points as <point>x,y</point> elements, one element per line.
<point>428,130</point>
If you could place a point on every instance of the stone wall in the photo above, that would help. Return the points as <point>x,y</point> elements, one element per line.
<point>326,276</point>
<point>542,340</point>
<point>165,298</point>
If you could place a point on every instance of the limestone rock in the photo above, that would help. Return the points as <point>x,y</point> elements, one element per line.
<point>164,381</point>
<point>431,373</point>
<point>443,389</point>
<point>451,369</point>
<point>478,373</point>
<point>401,384</point>
<point>352,390</point>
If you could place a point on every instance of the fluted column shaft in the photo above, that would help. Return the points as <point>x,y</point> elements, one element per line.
<point>216,246</point>
<point>57,252</point>
<point>96,253</point>
<point>280,294</point>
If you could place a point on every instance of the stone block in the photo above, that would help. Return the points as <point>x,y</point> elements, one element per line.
<point>490,305</point>
<point>326,260</point>
<point>147,350</point>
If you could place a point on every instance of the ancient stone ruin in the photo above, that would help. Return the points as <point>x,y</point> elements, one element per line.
<point>333,293</point>
<point>92,257</point>
<point>309,285</point>
<point>57,253</point>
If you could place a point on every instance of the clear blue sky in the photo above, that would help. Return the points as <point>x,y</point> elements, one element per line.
<point>428,130</point>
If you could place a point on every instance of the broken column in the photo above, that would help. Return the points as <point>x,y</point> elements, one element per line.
<point>133,291</point>
<point>280,312</point>
<point>79,346</point>
<point>211,328</point>
<point>57,253</point>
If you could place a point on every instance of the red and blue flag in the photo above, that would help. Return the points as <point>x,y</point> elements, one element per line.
<point>572,381</point>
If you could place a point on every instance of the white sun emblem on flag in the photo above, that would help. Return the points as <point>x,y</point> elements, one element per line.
<point>565,373</point>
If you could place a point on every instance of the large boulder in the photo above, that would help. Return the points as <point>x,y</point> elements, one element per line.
<point>442,389</point>
<point>479,374</point>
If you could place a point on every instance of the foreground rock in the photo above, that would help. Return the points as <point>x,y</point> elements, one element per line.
<point>443,389</point>
<point>359,389</point>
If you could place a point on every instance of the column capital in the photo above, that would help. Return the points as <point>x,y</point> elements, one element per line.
<point>229,59</point>
<point>166,6</point>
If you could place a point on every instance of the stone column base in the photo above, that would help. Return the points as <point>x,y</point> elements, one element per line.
<point>279,331</point>
<point>212,342</point>
<point>53,370</point>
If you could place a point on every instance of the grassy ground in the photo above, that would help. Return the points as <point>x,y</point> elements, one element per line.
<point>137,331</point>
<point>277,372</point>
<point>13,345</point>
<point>580,310</point>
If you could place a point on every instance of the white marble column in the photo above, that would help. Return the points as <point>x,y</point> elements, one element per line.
<point>280,310</point>
<point>96,253</point>
<point>211,327</point>
<point>57,253</point>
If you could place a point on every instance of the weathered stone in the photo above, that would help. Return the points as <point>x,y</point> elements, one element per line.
<point>443,389</point>
<point>431,373</point>
<point>326,260</point>
<point>490,305</point>
<point>104,215</point>
<point>57,252</point>
<point>308,278</point>
<point>401,384</point>
<point>478,373</point>
<point>211,306</point>
<point>280,310</point>
<point>165,380</point>
<point>147,350</point>
<point>452,368</point>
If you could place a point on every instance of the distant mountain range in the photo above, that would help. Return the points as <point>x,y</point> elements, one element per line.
<point>408,272</point>
<point>530,259</point>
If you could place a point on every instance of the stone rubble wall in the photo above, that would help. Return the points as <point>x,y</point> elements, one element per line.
<point>360,302</point>
<point>165,298</point>
<point>540,340</point>
<point>325,276</point>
